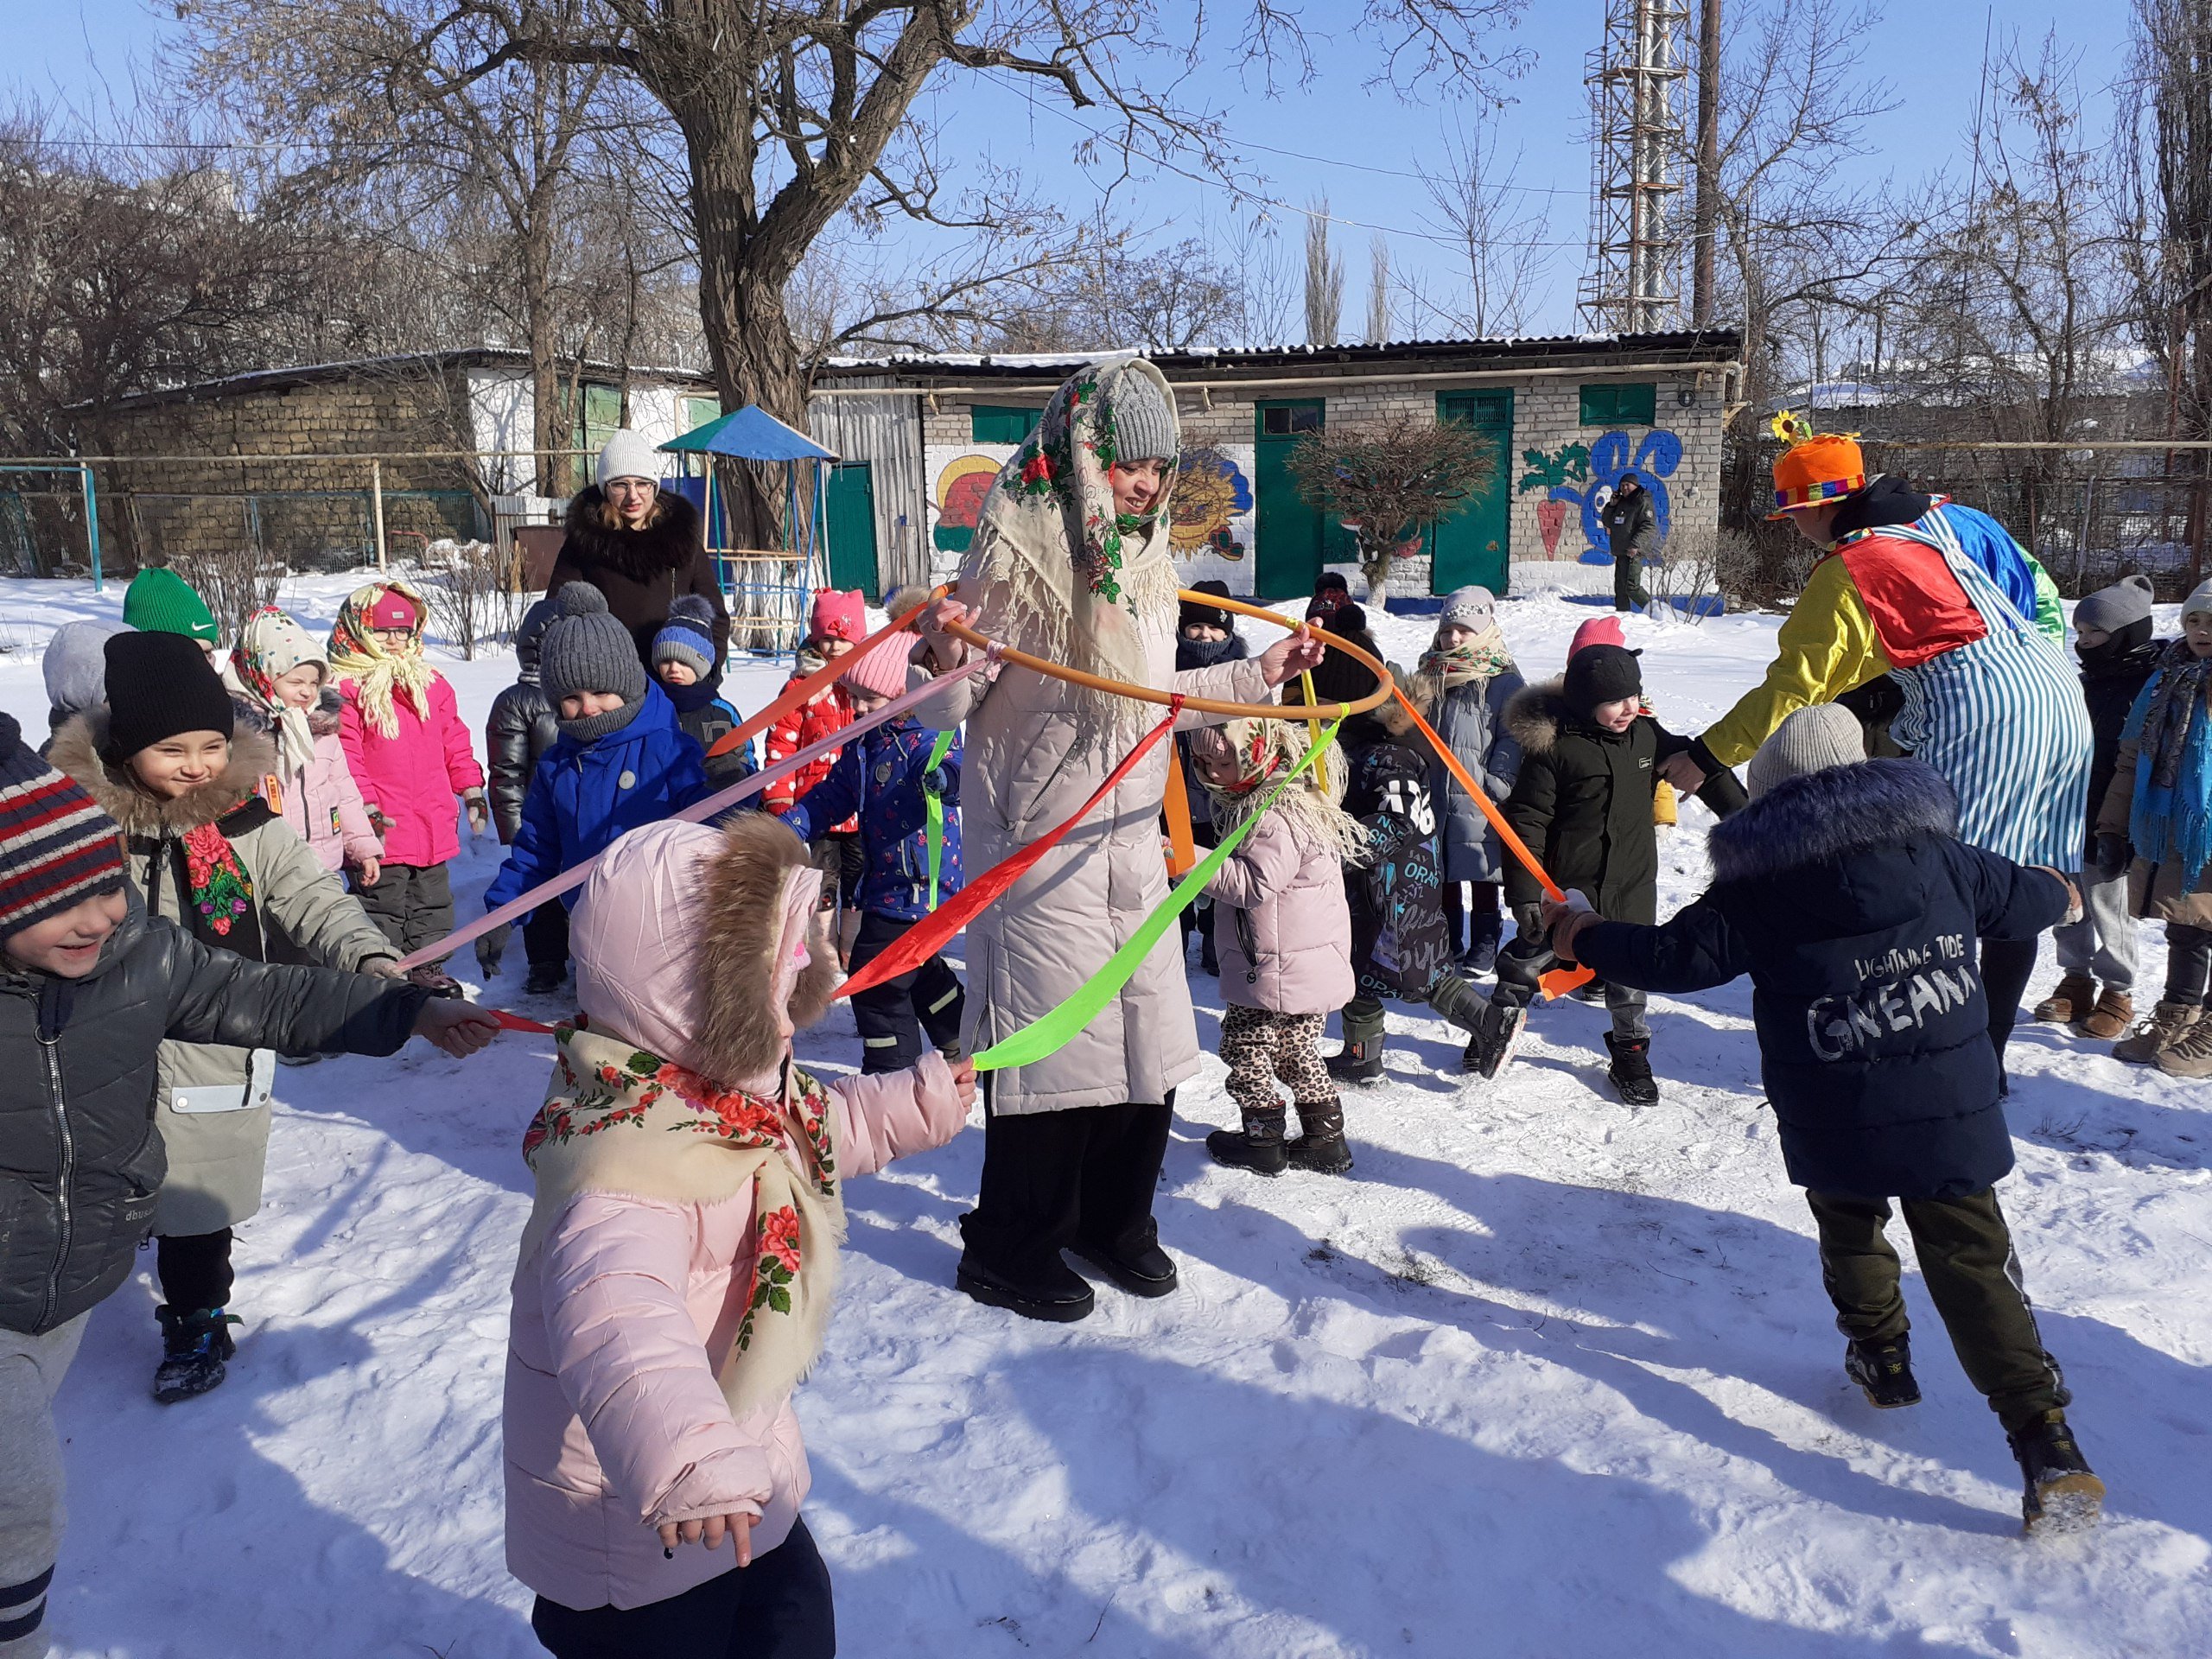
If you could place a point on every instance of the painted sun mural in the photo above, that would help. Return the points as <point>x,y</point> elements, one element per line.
<point>1210,493</point>
<point>962,486</point>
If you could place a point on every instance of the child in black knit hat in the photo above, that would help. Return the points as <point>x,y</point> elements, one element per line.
<point>91,991</point>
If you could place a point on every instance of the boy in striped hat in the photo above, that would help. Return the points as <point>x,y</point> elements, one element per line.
<point>88,989</point>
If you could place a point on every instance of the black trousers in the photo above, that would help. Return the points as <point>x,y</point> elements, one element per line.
<point>195,1269</point>
<point>545,935</point>
<point>412,903</point>
<point>2188,963</point>
<point>891,1016</point>
<point>2007,967</point>
<point>1972,1277</point>
<point>1053,1178</point>
<point>1629,593</point>
<point>777,1608</point>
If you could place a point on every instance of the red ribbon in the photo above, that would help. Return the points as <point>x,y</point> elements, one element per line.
<point>516,1022</point>
<point>921,941</point>
<point>800,690</point>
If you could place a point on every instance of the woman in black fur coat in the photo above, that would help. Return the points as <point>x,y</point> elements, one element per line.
<point>640,545</point>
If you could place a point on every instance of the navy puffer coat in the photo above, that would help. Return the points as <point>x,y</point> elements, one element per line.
<point>1848,898</point>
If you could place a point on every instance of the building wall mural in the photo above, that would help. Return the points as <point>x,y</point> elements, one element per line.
<point>960,481</point>
<point>1580,480</point>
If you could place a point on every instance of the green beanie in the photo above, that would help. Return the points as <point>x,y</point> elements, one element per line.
<point>159,600</point>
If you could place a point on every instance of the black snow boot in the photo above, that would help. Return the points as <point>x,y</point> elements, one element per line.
<point>1320,1145</point>
<point>2061,1493</point>
<point>1496,1034</point>
<point>1059,1295</point>
<point>1257,1146</point>
<point>545,978</point>
<point>1630,1071</point>
<point>1485,930</point>
<point>1360,1060</point>
<point>1147,1270</point>
<point>194,1347</point>
<point>1884,1370</point>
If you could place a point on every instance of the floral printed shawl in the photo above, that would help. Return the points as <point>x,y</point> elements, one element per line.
<point>1081,583</point>
<point>379,675</point>
<point>617,1119</point>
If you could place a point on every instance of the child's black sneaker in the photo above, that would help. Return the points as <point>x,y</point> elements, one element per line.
<point>1496,1034</point>
<point>544,980</point>
<point>1257,1146</point>
<point>1630,1071</point>
<point>194,1347</point>
<point>1360,1063</point>
<point>1319,1146</point>
<point>2061,1495</point>
<point>1884,1369</point>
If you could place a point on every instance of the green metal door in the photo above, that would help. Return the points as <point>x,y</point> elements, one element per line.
<point>1475,544</point>
<point>851,517</point>
<point>1288,533</point>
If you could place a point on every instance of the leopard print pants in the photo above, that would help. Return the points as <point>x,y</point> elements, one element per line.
<point>1263,1048</point>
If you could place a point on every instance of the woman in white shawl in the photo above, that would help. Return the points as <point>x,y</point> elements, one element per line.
<point>1070,564</point>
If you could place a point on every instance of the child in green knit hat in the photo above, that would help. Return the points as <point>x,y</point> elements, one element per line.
<point>159,600</point>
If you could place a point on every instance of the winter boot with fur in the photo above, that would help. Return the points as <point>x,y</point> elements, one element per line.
<point>2061,1493</point>
<point>1320,1145</point>
<point>2071,1001</point>
<point>2143,1046</point>
<point>1360,1060</point>
<point>2114,1013</point>
<point>194,1347</point>
<point>2189,1055</point>
<point>1630,1071</point>
<point>1884,1369</point>
<point>1258,1147</point>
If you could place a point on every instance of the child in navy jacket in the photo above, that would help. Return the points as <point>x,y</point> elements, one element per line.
<point>885,778</point>
<point>684,663</point>
<point>622,759</point>
<point>1844,892</point>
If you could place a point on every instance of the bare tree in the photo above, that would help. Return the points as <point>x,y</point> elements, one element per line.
<point>1378,294</point>
<point>1268,292</point>
<point>1391,479</point>
<point>1324,278</point>
<point>1498,234</point>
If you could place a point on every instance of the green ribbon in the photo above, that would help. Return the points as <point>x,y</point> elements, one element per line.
<point>934,807</point>
<point>1055,1030</point>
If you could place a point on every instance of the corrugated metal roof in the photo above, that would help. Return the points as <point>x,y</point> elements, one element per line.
<point>461,357</point>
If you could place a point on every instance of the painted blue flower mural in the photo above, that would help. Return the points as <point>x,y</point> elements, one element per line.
<point>1653,462</point>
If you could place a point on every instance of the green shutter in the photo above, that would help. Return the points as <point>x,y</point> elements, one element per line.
<point>1001,423</point>
<point>1620,402</point>
<point>698,411</point>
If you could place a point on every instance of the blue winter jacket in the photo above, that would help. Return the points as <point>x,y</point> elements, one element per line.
<point>1847,896</point>
<point>881,779</point>
<point>584,795</point>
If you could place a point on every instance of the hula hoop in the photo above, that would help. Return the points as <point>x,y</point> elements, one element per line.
<point>1384,689</point>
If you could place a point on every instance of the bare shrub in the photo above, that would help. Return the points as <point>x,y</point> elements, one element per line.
<point>473,592</point>
<point>235,582</point>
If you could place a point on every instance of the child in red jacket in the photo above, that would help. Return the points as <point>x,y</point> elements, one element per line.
<point>835,624</point>
<point>409,752</point>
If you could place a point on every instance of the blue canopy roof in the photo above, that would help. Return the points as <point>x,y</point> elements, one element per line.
<point>753,434</point>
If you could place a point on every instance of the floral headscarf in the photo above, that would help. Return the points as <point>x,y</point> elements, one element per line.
<point>1263,751</point>
<point>379,675</point>
<point>271,646</point>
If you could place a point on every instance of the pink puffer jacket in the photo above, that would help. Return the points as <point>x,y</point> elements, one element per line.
<point>614,1420</point>
<point>413,778</point>
<point>324,805</point>
<point>1282,927</point>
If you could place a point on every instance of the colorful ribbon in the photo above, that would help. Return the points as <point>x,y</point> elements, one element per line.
<point>933,806</point>
<point>1054,1031</point>
<point>805,690</point>
<point>698,811</point>
<point>921,941</point>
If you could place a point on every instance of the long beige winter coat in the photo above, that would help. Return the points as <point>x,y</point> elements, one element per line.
<point>1058,924</point>
<point>216,1157</point>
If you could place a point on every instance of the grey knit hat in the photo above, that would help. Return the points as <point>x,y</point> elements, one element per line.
<point>587,649</point>
<point>2199,602</point>
<point>1812,739</point>
<point>75,665</point>
<point>2110,609</point>
<point>1469,607</point>
<point>1144,420</point>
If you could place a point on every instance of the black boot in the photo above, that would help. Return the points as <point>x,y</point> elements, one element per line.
<point>545,978</point>
<point>1320,1145</point>
<point>2061,1495</point>
<point>1884,1369</point>
<point>1147,1270</point>
<point>1496,1034</point>
<point>1257,1146</point>
<point>194,1347</point>
<point>1630,1071</point>
<point>1059,1296</point>
<point>1360,1060</point>
<point>1485,930</point>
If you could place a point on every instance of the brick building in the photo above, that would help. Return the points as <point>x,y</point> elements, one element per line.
<point>921,438</point>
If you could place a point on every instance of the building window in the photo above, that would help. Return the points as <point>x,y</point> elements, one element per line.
<point>698,411</point>
<point>598,414</point>
<point>1282,421</point>
<point>1620,402</point>
<point>999,423</point>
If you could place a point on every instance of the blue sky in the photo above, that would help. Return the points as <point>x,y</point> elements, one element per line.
<point>1364,150</point>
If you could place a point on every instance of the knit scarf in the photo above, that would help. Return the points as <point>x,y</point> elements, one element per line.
<point>1264,750</point>
<point>1079,584</point>
<point>2171,815</point>
<point>271,646</point>
<point>619,1120</point>
<point>356,654</point>
<point>1484,656</point>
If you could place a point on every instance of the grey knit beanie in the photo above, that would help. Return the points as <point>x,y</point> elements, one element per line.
<point>1144,419</point>
<point>2110,609</point>
<point>1469,607</point>
<point>2199,602</point>
<point>585,649</point>
<point>1812,739</point>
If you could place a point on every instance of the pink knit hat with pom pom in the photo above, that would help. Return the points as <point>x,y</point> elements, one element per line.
<point>882,670</point>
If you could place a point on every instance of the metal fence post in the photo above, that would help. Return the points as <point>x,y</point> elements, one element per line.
<point>91,522</point>
<point>376,510</point>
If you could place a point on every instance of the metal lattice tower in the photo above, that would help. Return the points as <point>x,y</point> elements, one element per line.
<point>1634,281</point>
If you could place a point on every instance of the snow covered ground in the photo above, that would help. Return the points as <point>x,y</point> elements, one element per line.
<point>1544,1378</point>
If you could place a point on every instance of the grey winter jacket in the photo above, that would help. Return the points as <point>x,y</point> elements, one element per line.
<point>1472,721</point>
<point>80,1158</point>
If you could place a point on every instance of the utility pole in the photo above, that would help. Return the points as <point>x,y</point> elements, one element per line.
<point>1707,209</point>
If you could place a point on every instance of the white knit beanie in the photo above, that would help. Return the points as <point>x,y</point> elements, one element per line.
<point>1812,739</point>
<point>627,456</point>
<point>2199,603</point>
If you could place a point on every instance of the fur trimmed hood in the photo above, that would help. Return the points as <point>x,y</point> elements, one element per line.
<point>670,544</point>
<point>1535,714</point>
<point>1832,813</point>
<point>76,752</point>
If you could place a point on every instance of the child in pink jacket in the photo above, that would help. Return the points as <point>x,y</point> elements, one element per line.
<point>278,667</point>
<point>409,752</point>
<point>677,1268</point>
<point>1283,932</point>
